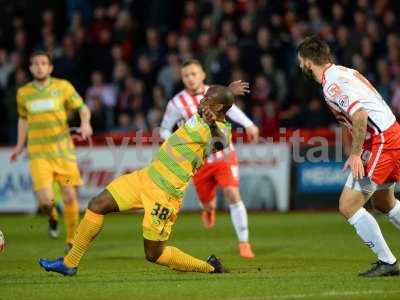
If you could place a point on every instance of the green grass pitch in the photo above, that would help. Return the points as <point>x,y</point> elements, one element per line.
<point>298,256</point>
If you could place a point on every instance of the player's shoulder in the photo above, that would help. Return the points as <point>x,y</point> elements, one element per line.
<point>194,121</point>
<point>337,73</point>
<point>61,82</point>
<point>176,98</point>
<point>26,88</point>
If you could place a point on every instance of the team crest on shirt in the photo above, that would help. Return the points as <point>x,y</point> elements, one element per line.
<point>55,93</point>
<point>342,100</point>
<point>334,90</point>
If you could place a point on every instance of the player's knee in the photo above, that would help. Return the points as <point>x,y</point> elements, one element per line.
<point>103,204</point>
<point>46,206</point>
<point>69,196</point>
<point>231,195</point>
<point>208,206</point>
<point>98,204</point>
<point>152,255</point>
<point>346,209</point>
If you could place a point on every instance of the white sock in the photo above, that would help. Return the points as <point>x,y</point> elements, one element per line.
<point>394,215</point>
<point>239,221</point>
<point>368,229</point>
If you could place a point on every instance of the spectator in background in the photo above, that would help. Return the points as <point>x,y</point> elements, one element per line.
<point>101,58</point>
<point>342,51</point>
<point>395,102</point>
<point>227,32</point>
<point>229,60</point>
<point>277,76</point>
<point>6,68</point>
<point>207,53</point>
<point>139,122</point>
<point>124,34</point>
<point>190,21</point>
<point>49,43</point>
<point>185,48</point>
<point>66,66</point>
<point>338,16</point>
<point>19,78</point>
<point>153,48</point>
<point>120,72</point>
<point>20,43</point>
<point>99,89</point>
<point>263,90</point>
<point>171,42</point>
<point>315,18</point>
<point>99,114</point>
<point>155,114</point>
<point>315,116</point>
<point>169,75</point>
<point>98,24</point>
<point>124,123</point>
<point>385,83</point>
<point>145,70</point>
<point>247,45</point>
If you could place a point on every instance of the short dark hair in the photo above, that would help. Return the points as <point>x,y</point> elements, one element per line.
<point>42,53</point>
<point>192,61</point>
<point>315,49</point>
<point>223,95</point>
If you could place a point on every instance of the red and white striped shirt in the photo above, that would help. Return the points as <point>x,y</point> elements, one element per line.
<point>184,105</point>
<point>346,91</point>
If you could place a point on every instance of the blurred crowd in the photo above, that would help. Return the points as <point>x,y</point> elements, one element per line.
<point>124,57</point>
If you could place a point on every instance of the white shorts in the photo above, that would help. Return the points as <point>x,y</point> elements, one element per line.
<point>366,185</point>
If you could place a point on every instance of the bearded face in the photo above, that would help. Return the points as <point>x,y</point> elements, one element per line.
<point>306,68</point>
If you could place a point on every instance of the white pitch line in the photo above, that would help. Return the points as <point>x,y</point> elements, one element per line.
<point>326,294</point>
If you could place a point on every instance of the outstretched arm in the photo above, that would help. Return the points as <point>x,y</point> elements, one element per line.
<point>171,117</point>
<point>239,88</point>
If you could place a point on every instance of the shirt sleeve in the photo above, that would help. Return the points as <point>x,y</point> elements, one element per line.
<point>344,96</point>
<point>171,117</point>
<point>72,99</point>
<point>21,106</point>
<point>238,116</point>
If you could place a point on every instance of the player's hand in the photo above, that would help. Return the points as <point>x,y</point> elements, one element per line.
<point>209,116</point>
<point>239,88</point>
<point>86,130</point>
<point>356,166</point>
<point>253,133</point>
<point>16,153</point>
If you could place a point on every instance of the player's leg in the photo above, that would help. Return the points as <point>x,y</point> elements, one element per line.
<point>90,226</point>
<point>227,176</point>
<point>206,186</point>
<point>88,229</point>
<point>42,181</point>
<point>160,214</point>
<point>208,214</point>
<point>158,252</point>
<point>45,197</point>
<point>239,219</point>
<point>71,212</point>
<point>68,177</point>
<point>385,201</point>
<point>354,195</point>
